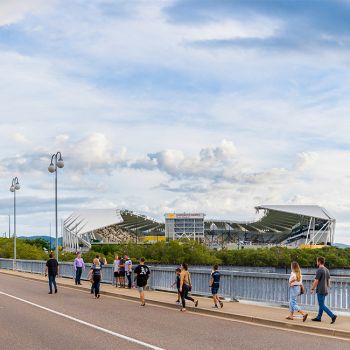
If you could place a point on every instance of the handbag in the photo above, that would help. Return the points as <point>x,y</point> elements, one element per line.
<point>302,289</point>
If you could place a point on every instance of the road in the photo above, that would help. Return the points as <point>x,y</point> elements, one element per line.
<point>71,320</point>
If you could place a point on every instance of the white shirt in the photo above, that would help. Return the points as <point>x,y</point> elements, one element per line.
<point>116,265</point>
<point>128,265</point>
<point>292,277</point>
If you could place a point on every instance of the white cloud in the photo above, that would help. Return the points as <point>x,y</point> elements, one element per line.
<point>15,10</point>
<point>20,138</point>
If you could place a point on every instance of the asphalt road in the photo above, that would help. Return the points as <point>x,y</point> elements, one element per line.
<point>35,326</point>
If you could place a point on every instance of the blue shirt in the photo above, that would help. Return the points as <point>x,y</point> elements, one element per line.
<point>178,282</point>
<point>215,275</point>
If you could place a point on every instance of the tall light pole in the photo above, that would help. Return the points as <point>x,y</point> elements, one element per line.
<point>15,186</point>
<point>56,162</point>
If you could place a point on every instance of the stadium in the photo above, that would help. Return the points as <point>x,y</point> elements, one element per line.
<point>286,225</point>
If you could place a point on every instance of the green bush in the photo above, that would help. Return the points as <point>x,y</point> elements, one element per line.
<point>191,252</point>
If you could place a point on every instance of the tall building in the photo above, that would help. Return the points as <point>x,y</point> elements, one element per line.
<point>184,225</point>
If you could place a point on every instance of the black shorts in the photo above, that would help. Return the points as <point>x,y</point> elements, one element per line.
<point>121,273</point>
<point>214,289</point>
<point>116,274</point>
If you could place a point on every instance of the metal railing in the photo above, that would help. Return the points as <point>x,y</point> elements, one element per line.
<point>271,288</point>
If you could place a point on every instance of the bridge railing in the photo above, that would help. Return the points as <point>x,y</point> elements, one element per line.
<point>271,288</point>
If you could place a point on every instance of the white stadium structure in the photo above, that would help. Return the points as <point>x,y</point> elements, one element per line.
<point>289,225</point>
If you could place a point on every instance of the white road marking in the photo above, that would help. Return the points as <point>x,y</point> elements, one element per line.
<point>218,316</point>
<point>132,340</point>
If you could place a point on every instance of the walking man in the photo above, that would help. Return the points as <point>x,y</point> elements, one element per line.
<point>322,285</point>
<point>215,285</point>
<point>79,266</point>
<point>128,269</point>
<point>52,270</point>
<point>142,273</point>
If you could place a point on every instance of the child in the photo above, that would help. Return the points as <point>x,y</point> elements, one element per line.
<point>177,283</point>
<point>215,284</point>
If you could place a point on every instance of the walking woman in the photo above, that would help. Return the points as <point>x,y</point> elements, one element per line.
<point>96,274</point>
<point>185,287</point>
<point>295,285</point>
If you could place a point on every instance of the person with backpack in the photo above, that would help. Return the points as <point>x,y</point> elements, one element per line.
<point>214,284</point>
<point>322,284</point>
<point>186,287</point>
<point>142,273</point>
<point>295,289</point>
<point>52,270</point>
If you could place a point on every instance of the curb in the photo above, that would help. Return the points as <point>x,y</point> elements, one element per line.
<point>230,316</point>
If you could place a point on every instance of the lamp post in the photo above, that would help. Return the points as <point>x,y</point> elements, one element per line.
<point>15,186</point>
<point>56,162</point>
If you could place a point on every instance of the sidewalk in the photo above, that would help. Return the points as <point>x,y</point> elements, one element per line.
<point>264,315</point>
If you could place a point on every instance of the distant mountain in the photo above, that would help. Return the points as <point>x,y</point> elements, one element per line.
<point>53,239</point>
<point>341,245</point>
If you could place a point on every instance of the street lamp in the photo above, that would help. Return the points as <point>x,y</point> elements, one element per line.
<point>56,162</point>
<point>15,186</point>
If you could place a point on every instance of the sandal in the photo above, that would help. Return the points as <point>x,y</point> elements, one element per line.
<point>289,318</point>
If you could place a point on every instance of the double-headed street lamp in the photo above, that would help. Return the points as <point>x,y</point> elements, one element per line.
<point>56,162</point>
<point>14,187</point>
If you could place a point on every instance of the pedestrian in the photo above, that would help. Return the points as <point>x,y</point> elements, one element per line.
<point>142,273</point>
<point>96,275</point>
<point>295,285</point>
<point>52,270</point>
<point>186,287</point>
<point>79,266</point>
<point>102,263</point>
<point>122,272</point>
<point>214,284</point>
<point>116,270</point>
<point>322,284</point>
<point>128,269</point>
<point>177,284</point>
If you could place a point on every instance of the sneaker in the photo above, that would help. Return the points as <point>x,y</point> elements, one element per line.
<point>177,301</point>
<point>215,307</point>
<point>55,291</point>
<point>316,319</point>
<point>221,304</point>
<point>183,309</point>
<point>98,296</point>
<point>334,319</point>
<point>50,293</point>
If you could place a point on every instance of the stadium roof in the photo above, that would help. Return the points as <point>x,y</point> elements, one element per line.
<point>87,220</point>
<point>314,211</point>
<point>276,219</point>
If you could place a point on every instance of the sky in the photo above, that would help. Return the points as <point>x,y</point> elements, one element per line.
<point>214,106</point>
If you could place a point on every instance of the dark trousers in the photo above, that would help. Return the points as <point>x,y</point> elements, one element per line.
<point>52,281</point>
<point>78,275</point>
<point>128,276</point>
<point>96,285</point>
<point>184,295</point>
<point>322,307</point>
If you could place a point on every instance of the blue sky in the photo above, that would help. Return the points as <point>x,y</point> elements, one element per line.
<point>214,106</point>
